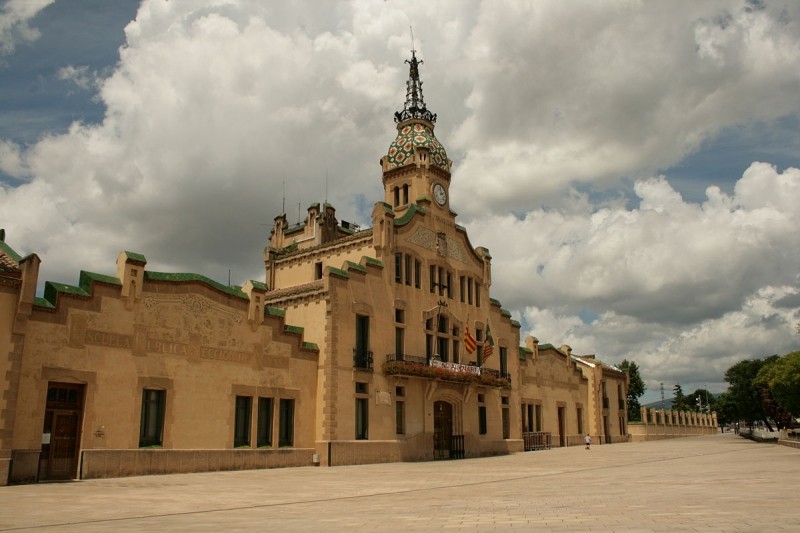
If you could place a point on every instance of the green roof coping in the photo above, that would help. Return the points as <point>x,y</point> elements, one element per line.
<point>52,290</point>
<point>524,351</point>
<point>86,279</point>
<point>371,261</point>
<point>515,323</point>
<point>135,256</point>
<point>298,330</point>
<point>505,312</point>
<point>409,214</point>
<point>188,277</point>
<point>274,311</point>
<point>495,302</point>
<point>355,266</point>
<point>338,272</point>
<point>310,346</point>
<point>545,346</point>
<point>41,302</point>
<point>259,285</point>
<point>10,251</point>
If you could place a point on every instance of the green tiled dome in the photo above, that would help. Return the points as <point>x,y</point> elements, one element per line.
<point>401,151</point>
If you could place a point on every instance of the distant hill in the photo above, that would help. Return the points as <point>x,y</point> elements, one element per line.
<point>658,404</point>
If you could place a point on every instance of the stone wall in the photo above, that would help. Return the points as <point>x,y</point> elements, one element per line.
<point>140,462</point>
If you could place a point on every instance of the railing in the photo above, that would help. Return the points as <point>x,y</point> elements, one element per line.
<point>410,365</point>
<point>457,447</point>
<point>362,360</point>
<point>497,374</point>
<point>537,440</point>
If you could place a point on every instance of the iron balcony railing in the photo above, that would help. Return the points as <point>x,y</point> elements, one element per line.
<point>412,365</point>
<point>362,360</point>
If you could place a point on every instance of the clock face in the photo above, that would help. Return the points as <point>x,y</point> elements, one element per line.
<point>439,194</point>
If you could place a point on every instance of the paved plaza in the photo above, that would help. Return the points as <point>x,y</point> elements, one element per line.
<point>709,484</point>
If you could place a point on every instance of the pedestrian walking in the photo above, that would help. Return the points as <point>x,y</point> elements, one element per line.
<point>588,440</point>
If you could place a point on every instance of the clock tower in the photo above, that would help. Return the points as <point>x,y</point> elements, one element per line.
<point>416,170</point>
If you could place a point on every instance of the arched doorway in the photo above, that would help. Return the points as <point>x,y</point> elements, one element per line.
<point>442,429</point>
<point>447,442</point>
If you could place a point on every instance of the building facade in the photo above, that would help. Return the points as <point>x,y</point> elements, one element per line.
<point>360,346</point>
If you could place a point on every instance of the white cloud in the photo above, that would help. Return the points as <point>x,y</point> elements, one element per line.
<point>214,105</point>
<point>14,18</point>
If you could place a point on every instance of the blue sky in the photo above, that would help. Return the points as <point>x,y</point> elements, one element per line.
<point>632,168</point>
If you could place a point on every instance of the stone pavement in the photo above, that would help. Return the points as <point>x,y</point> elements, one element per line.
<point>711,484</point>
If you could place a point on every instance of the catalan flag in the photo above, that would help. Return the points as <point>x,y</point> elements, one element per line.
<point>488,346</point>
<point>469,341</point>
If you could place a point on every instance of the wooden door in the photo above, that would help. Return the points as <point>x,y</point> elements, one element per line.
<point>62,424</point>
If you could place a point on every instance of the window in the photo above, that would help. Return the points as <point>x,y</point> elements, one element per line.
<point>241,427</point>
<point>286,423</point>
<point>469,291</point>
<point>417,273</point>
<point>396,192</point>
<point>442,338</point>
<point>506,418</point>
<point>264,431</point>
<point>398,267</point>
<point>461,288</point>
<point>477,294</point>
<point>527,416</point>
<point>362,357</point>
<point>503,360</point>
<point>400,410</point>
<point>456,336</point>
<point>151,428</point>
<point>482,429</point>
<point>580,420</point>
<point>538,417</point>
<point>362,412</point>
<point>318,270</point>
<point>432,274</point>
<point>405,194</point>
<point>408,272</point>
<point>399,341</point>
<point>449,284</point>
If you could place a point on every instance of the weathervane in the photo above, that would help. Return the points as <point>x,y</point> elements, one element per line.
<point>415,103</point>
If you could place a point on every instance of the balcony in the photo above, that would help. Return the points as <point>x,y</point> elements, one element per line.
<point>362,360</point>
<point>410,365</point>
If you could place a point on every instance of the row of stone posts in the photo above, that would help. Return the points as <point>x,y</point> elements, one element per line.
<point>668,423</point>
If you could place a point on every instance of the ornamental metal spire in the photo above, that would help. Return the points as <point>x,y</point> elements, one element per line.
<point>415,103</point>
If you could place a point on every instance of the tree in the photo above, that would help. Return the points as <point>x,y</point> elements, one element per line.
<point>743,390</point>
<point>679,399</point>
<point>636,388</point>
<point>725,406</point>
<point>782,377</point>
